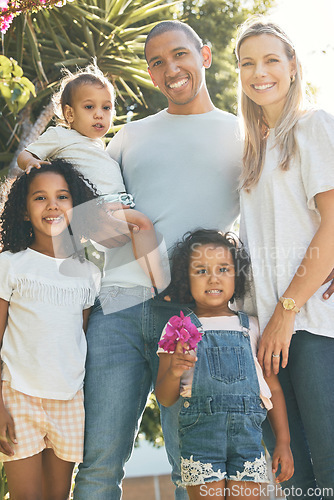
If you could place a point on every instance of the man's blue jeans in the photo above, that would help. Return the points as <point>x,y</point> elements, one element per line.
<point>307,382</point>
<point>121,368</point>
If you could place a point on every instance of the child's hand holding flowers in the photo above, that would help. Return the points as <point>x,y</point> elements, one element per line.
<point>180,329</point>
<point>181,360</point>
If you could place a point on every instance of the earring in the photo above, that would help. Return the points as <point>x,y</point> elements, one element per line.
<point>292,78</point>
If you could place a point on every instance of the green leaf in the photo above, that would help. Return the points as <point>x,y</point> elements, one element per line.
<point>129,91</point>
<point>5,91</point>
<point>5,67</point>
<point>16,69</point>
<point>28,85</point>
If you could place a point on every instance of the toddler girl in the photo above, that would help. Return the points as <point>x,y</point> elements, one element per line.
<point>43,313</point>
<point>84,106</point>
<point>225,395</point>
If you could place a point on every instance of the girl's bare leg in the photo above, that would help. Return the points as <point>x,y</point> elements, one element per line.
<point>57,476</point>
<point>25,478</point>
<point>212,490</point>
<point>242,489</point>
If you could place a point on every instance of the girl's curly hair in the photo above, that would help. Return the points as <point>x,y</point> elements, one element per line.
<point>16,233</point>
<point>179,287</point>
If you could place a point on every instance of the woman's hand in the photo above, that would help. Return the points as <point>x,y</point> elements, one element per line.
<point>276,340</point>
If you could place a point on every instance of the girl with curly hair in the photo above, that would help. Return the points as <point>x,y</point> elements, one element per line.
<point>84,107</point>
<point>224,394</point>
<point>46,291</point>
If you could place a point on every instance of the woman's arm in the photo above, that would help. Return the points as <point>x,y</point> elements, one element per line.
<point>171,368</point>
<point>279,423</point>
<point>317,264</point>
<point>7,430</point>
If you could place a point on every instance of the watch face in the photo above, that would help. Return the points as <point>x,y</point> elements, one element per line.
<point>288,304</point>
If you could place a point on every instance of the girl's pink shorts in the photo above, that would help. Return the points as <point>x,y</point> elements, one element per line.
<point>45,423</point>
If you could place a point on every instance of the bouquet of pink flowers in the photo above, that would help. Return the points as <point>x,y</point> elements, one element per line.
<point>180,328</point>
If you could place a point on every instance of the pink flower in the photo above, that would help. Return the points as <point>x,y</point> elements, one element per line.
<point>5,22</point>
<point>180,328</point>
<point>3,4</point>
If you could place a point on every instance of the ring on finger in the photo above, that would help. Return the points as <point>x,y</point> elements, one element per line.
<point>275,355</point>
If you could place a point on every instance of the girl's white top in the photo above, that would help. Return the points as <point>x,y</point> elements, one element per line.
<point>44,346</point>
<point>228,323</point>
<point>279,218</point>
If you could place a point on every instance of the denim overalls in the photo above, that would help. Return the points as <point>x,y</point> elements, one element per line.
<point>220,424</point>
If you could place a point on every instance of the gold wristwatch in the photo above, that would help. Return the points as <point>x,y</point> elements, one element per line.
<point>289,304</point>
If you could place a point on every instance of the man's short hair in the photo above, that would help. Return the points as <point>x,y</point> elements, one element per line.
<point>165,26</point>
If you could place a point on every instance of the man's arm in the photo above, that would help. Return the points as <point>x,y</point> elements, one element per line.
<point>146,248</point>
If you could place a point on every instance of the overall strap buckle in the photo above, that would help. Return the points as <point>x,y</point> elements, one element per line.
<point>244,321</point>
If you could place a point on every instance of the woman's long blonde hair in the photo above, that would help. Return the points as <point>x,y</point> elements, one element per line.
<point>256,129</point>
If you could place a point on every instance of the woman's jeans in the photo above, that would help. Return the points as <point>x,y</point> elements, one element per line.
<point>121,368</point>
<point>307,382</point>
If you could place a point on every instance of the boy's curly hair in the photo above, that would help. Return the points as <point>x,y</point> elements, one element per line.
<point>179,287</point>
<point>17,234</point>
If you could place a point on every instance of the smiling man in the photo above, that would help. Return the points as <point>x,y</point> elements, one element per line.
<point>178,69</point>
<point>182,167</point>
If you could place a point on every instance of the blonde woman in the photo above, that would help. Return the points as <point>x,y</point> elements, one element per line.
<point>287,204</point>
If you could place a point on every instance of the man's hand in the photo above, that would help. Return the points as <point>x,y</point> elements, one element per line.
<point>112,231</point>
<point>330,289</point>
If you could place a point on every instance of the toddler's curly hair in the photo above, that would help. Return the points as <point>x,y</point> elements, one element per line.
<point>179,288</point>
<point>16,233</point>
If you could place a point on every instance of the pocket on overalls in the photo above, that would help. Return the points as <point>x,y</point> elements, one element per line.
<point>226,364</point>
<point>257,419</point>
<point>187,421</point>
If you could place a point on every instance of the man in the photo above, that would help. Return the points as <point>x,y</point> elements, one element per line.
<point>182,167</point>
